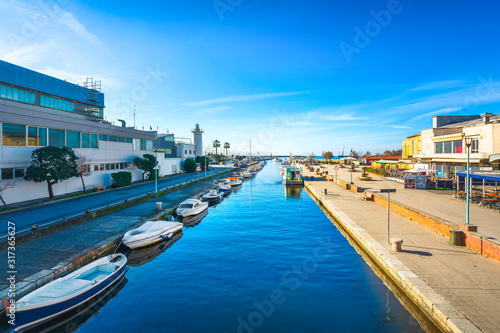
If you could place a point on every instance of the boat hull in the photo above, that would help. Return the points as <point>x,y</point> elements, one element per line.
<point>153,239</point>
<point>27,318</point>
<point>194,211</point>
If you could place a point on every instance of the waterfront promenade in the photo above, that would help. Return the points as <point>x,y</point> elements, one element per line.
<point>41,214</point>
<point>443,274</point>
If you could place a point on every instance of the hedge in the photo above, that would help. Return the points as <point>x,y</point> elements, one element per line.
<point>120,179</point>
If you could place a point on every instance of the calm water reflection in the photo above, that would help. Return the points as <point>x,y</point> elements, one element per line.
<point>266,259</point>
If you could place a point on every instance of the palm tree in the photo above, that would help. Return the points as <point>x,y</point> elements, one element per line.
<point>226,146</point>
<point>216,144</point>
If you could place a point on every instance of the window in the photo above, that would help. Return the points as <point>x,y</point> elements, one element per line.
<point>475,146</point>
<point>93,141</point>
<point>17,94</point>
<point>56,103</point>
<point>438,148</point>
<point>112,138</point>
<point>7,174</point>
<point>457,147</point>
<point>107,166</point>
<point>101,167</point>
<point>13,134</point>
<point>42,136</point>
<point>190,151</point>
<point>73,139</point>
<point>128,140</point>
<point>121,139</point>
<point>85,140</point>
<point>96,167</point>
<point>32,136</point>
<point>18,173</point>
<point>122,165</point>
<point>185,151</point>
<point>56,137</point>
<point>112,165</point>
<point>103,137</point>
<point>447,147</point>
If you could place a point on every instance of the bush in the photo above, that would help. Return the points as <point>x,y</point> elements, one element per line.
<point>375,170</point>
<point>120,179</point>
<point>189,165</point>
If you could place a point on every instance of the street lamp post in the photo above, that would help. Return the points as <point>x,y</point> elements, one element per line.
<point>351,166</point>
<point>468,143</point>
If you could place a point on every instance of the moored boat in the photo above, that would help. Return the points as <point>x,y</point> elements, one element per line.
<point>191,207</point>
<point>234,181</point>
<point>292,176</point>
<point>150,232</point>
<point>69,292</point>
<point>224,189</point>
<point>212,196</point>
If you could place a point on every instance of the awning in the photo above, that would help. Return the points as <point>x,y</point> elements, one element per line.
<point>494,158</point>
<point>495,177</point>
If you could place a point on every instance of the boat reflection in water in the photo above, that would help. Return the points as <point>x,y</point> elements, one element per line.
<point>72,320</point>
<point>191,221</point>
<point>235,189</point>
<point>144,255</point>
<point>293,191</point>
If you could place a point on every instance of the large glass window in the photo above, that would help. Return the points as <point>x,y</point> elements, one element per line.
<point>457,146</point>
<point>103,137</point>
<point>56,137</point>
<point>85,140</point>
<point>13,134</point>
<point>447,147</point>
<point>121,139</point>
<point>18,173</point>
<point>7,174</point>
<point>73,139</point>
<point>32,136</point>
<point>17,94</point>
<point>113,138</point>
<point>42,136</point>
<point>128,140</point>
<point>93,141</point>
<point>438,148</point>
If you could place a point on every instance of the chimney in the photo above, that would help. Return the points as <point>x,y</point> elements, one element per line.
<point>486,117</point>
<point>123,122</point>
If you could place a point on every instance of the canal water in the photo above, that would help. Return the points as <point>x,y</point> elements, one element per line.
<point>263,260</point>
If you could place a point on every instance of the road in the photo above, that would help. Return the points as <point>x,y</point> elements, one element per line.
<point>46,213</point>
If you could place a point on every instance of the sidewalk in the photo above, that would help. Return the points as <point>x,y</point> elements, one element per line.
<point>464,278</point>
<point>439,203</point>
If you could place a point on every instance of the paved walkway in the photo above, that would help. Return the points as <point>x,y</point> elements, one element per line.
<point>468,280</point>
<point>53,211</point>
<point>48,251</point>
<point>438,203</point>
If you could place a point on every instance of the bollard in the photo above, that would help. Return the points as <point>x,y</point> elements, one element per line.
<point>325,191</point>
<point>158,206</point>
<point>455,237</point>
<point>396,244</point>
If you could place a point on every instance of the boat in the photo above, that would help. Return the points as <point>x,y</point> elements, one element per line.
<point>191,207</point>
<point>249,173</point>
<point>150,232</point>
<point>212,196</point>
<point>292,176</point>
<point>224,189</point>
<point>67,293</point>
<point>234,181</point>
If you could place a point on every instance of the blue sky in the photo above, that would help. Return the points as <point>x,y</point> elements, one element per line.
<point>295,76</point>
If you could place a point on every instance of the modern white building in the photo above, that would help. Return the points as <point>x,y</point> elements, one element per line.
<point>37,110</point>
<point>443,146</point>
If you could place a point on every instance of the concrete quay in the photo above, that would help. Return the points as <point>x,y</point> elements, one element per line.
<point>457,288</point>
<point>40,260</point>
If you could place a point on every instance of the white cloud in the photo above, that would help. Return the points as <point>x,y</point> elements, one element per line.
<point>71,22</point>
<point>216,109</point>
<point>448,84</point>
<point>244,98</point>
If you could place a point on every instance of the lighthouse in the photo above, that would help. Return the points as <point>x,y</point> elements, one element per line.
<point>198,140</point>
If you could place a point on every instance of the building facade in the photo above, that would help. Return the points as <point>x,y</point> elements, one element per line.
<point>37,110</point>
<point>444,146</point>
<point>411,147</point>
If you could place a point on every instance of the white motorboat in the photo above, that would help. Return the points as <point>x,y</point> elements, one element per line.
<point>150,232</point>
<point>224,189</point>
<point>249,173</point>
<point>67,293</point>
<point>233,181</point>
<point>212,196</point>
<point>191,207</point>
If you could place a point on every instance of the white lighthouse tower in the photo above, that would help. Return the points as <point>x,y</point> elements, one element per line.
<point>198,140</point>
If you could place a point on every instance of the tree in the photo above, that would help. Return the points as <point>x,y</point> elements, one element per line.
<point>83,170</point>
<point>147,164</point>
<point>327,155</point>
<point>368,154</point>
<point>216,145</point>
<point>227,145</point>
<point>311,156</point>
<point>393,152</point>
<point>202,160</point>
<point>52,165</point>
<point>4,186</point>
<point>189,165</point>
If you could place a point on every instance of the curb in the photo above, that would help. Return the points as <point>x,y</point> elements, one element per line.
<point>438,309</point>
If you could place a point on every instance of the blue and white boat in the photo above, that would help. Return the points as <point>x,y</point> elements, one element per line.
<point>224,189</point>
<point>66,293</point>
